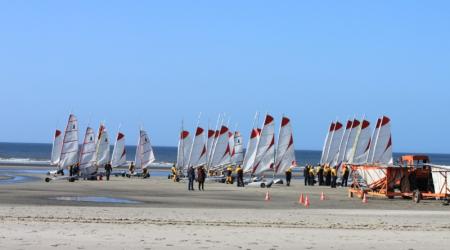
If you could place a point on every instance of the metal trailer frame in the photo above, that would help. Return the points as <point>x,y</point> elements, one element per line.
<point>385,187</point>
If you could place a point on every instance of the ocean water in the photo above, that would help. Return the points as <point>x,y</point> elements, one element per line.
<point>39,153</point>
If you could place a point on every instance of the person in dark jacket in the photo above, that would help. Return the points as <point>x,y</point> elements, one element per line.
<point>191,178</point>
<point>201,175</point>
<point>306,175</point>
<point>240,176</point>
<point>108,169</point>
<point>71,170</point>
<point>320,175</point>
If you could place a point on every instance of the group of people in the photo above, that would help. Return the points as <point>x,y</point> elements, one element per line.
<point>131,171</point>
<point>239,171</point>
<point>326,175</point>
<point>201,176</point>
<point>75,170</point>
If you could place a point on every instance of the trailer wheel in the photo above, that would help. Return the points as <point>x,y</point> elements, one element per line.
<point>47,179</point>
<point>72,179</point>
<point>263,185</point>
<point>446,202</point>
<point>417,196</point>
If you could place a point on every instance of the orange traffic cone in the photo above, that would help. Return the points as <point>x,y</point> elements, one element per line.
<point>301,199</point>
<point>307,201</point>
<point>267,196</point>
<point>322,197</point>
<point>364,200</point>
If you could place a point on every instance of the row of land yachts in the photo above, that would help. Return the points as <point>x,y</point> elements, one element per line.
<point>352,149</point>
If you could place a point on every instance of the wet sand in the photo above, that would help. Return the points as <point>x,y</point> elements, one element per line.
<point>166,215</point>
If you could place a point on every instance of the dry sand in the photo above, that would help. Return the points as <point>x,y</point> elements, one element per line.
<point>222,217</point>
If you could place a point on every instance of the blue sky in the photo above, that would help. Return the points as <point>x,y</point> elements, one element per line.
<point>156,62</point>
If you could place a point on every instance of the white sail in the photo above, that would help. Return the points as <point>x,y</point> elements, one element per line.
<point>326,144</point>
<point>198,151</point>
<point>285,154</point>
<point>144,151</point>
<point>184,148</point>
<point>343,144</point>
<point>334,143</point>
<point>212,148</point>
<point>87,154</point>
<point>102,153</point>
<point>383,149</point>
<point>231,146</point>
<point>56,148</point>
<point>250,153</point>
<point>351,140</point>
<point>380,153</point>
<point>265,152</point>
<point>221,155</point>
<point>69,152</point>
<point>119,155</point>
<point>238,151</point>
<point>210,144</point>
<point>360,151</point>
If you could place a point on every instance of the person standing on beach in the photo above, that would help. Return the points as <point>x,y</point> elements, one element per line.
<point>229,172</point>
<point>174,173</point>
<point>201,175</point>
<point>288,177</point>
<point>345,176</point>
<point>333,177</point>
<point>71,170</point>
<point>191,178</point>
<point>240,176</point>
<point>306,175</point>
<point>320,175</point>
<point>108,169</point>
<point>311,176</point>
<point>327,175</point>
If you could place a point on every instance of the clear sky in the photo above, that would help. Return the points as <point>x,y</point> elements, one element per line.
<point>156,62</point>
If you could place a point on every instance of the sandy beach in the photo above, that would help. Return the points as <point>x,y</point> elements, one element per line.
<point>156,213</point>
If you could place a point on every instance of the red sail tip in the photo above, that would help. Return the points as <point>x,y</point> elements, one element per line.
<point>385,120</point>
<point>120,136</point>
<point>230,134</point>
<point>284,121</point>
<point>223,130</point>
<point>268,120</point>
<point>199,131</point>
<point>57,133</point>
<point>365,124</point>
<point>210,133</point>
<point>255,133</point>
<point>338,126</point>
<point>184,134</point>
<point>355,123</point>
<point>349,124</point>
<point>332,126</point>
